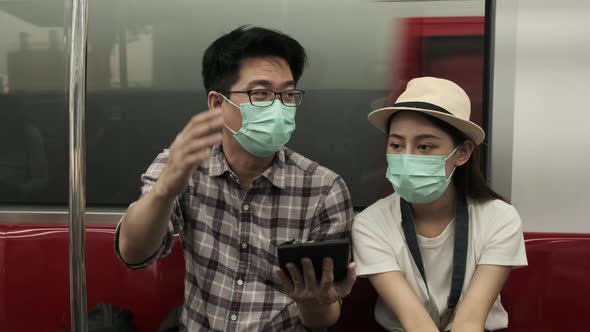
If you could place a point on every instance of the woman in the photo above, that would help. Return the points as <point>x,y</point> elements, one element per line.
<point>439,249</point>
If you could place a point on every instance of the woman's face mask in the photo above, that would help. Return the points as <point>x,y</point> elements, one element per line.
<point>416,178</point>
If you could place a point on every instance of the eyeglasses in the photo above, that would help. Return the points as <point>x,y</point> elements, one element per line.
<point>266,97</point>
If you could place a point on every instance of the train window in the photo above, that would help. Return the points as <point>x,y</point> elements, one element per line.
<point>33,125</point>
<point>144,83</point>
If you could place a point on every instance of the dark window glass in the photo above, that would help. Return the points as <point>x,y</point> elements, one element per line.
<point>144,83</point>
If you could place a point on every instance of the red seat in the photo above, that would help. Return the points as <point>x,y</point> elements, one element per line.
<point>34,279</point>
<point>553,292</point>
<point>357,309</point>
<point>550,295</point>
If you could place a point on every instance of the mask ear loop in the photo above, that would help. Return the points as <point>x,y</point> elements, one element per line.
<point>452,152</point>
<point>232,103</point>
<point>229,101</point>
<point>454,168</point>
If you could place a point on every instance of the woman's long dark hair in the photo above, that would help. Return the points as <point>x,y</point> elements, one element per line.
<point>468,177</point>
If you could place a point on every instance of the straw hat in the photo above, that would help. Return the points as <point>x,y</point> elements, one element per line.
<point>436,97</point>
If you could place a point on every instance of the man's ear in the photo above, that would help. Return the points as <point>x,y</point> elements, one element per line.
<point>214,100</point>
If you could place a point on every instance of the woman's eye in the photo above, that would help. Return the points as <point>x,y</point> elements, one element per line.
<point>424,147</point>
<point>395,146</point>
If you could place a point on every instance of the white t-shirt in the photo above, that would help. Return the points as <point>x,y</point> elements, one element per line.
<point>495,237</point>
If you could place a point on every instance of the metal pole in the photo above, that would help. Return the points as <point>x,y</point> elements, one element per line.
<point>76,103</point>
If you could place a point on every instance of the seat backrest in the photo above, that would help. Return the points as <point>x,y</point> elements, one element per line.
<point>34,279</point>
<point>553,292</point>
<point>358,309</point>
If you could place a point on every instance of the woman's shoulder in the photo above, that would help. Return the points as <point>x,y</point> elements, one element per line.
<point>491,206</point>
<point>493,212</point>
<point>383,212</point>
<point>379,225</point>
<point>381,207</point>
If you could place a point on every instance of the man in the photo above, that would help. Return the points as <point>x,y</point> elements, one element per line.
<point>234,196</point>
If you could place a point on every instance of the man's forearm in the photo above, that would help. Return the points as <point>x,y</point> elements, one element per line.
<point>317,316</point>
<point>144,225</point>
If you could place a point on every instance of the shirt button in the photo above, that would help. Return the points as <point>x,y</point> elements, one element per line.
<point>240,282</point>
<point>246,207</point>
<point>244,245</point>
<point>234,317</point>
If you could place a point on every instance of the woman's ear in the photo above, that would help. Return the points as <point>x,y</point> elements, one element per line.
<point>464,153</point>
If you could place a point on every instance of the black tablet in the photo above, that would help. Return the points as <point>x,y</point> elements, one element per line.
<point>293,251</point>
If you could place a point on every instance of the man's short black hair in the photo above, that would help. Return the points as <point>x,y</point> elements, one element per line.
<point>221,61</point>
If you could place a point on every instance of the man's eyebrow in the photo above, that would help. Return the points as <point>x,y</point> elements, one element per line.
<point>268,84</point>
<point>265,83</point>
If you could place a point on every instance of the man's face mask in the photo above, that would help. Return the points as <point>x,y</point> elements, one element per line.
<point>418,179</point>
<point>265,129</point>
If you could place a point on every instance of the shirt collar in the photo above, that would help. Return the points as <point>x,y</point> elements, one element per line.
<point>217,163</point>
<point>275,173</point>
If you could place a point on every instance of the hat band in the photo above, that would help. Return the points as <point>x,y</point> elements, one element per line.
<point>423,105</point>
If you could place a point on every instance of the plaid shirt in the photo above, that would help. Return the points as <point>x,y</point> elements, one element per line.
<point>230,236</point>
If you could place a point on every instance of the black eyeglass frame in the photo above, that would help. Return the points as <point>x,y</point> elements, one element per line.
<point>269,102</point>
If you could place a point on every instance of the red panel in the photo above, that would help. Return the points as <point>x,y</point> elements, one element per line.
<point>412,60</point>
<point>3,284</point>
<point>450,26</point>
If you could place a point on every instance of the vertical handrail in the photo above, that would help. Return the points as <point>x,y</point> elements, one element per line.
<point>77,147</point>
